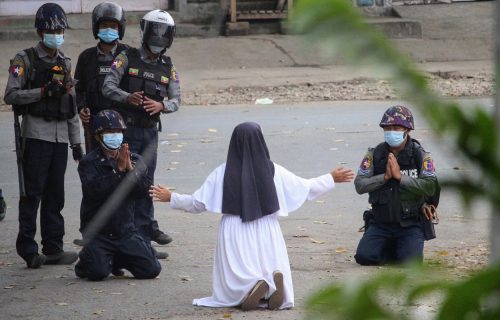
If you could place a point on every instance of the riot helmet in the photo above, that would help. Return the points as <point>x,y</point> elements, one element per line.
<point>108,11</point>
<point>157,31</point>
<point>398,116</point>
<point>107,119</point>
<point>50,16</point>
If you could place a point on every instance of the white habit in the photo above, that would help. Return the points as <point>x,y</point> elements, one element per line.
<point>248,252</point>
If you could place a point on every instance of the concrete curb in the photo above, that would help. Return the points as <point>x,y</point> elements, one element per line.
<point>21,27</point>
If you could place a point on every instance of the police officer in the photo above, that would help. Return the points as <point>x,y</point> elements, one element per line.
<point>111,239</point>
<point>144,83</point>
<point>108,25</point>
<point>398,175</point>
<point>40,87</point>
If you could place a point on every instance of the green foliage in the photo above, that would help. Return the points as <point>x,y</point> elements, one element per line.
<point>393,293</point>
<point>336,27</point>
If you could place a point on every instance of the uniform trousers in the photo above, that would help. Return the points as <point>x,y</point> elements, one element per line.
<point>105,253</point>
<point>144,141</point>
<point>44,165</point>
<point>390,243</point>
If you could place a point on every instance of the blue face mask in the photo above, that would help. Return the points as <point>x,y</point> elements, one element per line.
<point>112,141</point>
<point>108,35</point>
<point>53,41</point>
<point>394,138</point>
<point>155,49</point>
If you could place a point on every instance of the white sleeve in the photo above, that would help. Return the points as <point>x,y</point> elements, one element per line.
<point>208,197</point>
<point>320,185</point>
<point>186,202</point>
<point>293,190</point>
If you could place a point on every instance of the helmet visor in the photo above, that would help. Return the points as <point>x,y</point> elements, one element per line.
<point>158,34</point>
<point>108,11</point>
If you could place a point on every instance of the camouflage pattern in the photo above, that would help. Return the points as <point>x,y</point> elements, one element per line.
<point>50,16</point>
<point>107,119</point>
<point>398,116</point>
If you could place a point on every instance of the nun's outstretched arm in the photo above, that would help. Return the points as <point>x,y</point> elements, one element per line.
<point>187,203</point>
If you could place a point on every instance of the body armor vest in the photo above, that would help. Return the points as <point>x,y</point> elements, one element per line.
<point>386,201</point>
<point>153,79</point>
<point>95,79</point>
<point>58,107</point>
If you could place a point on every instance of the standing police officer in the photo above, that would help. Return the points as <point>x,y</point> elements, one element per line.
<point>398,175</point>
<point>112,177</point>
<point>143,82</point>
<point>108,25</point>
<point>40,87</point>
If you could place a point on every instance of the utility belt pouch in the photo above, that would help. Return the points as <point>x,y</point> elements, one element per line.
<point>428,228</point>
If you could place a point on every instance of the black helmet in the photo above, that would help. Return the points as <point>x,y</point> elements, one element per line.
<point>107,119</point>
<point>157,29</point>
<point>108,11</point>
<point>50,16</point>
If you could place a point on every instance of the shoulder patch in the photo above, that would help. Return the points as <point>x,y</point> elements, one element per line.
<point>366,164</point>
<point>119,60</point>
<point>16,70</point>
<point>175,75</point>
<point>428,168</point>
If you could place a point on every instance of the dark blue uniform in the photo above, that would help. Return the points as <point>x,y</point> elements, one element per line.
<point>395,233</point>
<point>117,243</point>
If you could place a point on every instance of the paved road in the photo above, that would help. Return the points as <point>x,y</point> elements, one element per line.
<point>309,139</point>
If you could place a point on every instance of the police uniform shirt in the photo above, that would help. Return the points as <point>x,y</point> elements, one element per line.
<point>111,88</point>
<point>63,131</point>
<point>423,183</point>
<point>80,73</point>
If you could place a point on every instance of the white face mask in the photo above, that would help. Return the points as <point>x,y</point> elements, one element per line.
<point>112,141</point>
<point>155,49</point>
<point>394,138</point>
<point>53,41</point>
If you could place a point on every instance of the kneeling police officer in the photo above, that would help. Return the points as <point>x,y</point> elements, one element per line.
<point>113,179</point>
<point>399,176</point>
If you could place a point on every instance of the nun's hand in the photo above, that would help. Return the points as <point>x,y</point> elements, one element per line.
<point>160,193</point>
<point>342,174</point>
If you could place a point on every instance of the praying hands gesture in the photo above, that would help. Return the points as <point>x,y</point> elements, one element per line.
<point>123,159</point>
<point>392,170</point>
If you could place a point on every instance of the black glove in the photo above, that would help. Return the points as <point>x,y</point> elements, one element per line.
<point>54,89</point>
<point>77,152</point>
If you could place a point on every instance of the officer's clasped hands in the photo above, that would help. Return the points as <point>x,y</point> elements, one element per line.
<point>136,98</point>
<point>123,159</point>
<point>392,169</point>
<point>151,106</point>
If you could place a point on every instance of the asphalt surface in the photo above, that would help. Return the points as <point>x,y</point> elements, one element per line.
<point>308,138</point>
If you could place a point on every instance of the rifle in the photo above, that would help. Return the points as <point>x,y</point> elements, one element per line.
<point>88,137</point>
<point>19,154</point>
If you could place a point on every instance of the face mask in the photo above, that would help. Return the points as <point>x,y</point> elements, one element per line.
<point>108,35</point>
<point>53,41</point>
<point>112,141</point>
<point>394,138</point>
<point>155,49</point>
